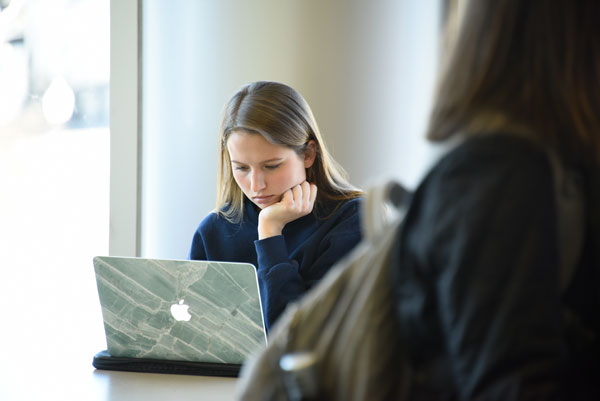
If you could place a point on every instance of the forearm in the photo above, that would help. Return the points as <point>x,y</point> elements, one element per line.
<point>278,277</point>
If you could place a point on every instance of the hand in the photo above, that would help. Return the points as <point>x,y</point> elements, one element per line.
<point>295,203</point>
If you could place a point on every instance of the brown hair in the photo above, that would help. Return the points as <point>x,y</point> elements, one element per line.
<point>281,115</point>
<point>529,67</point>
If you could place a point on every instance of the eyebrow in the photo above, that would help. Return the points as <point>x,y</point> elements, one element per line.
<point>262,162</point>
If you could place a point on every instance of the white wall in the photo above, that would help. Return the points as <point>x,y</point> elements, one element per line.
<point>366,69</point>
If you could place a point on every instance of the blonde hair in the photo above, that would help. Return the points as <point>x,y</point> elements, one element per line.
<point>283,117</point>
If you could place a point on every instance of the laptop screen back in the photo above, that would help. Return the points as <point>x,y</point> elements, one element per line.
<point>180,310</point>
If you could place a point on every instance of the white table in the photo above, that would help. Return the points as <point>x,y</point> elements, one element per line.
<point>85,383</point>
<point>50,329</point>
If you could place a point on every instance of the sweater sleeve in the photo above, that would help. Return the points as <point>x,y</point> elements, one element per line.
<point>281,278</point>
<point>278,277</point>
<point>198,249</point>
<point>483,237</point>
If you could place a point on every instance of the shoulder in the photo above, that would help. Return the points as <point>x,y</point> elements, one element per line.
<point>345,212</point>
<point>488,184</point>
<point>495,153</point>
<point>489,164</point>
<point>350,206</point>
<point>213,223</point>
<point>346,207</point>
<point>341,219</point>
<point>209,221</point>
<point>486,180</point>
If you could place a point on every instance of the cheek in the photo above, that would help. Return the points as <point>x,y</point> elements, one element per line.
<point>301,171</point>
<point>295,176</point>
<point>240,180</point>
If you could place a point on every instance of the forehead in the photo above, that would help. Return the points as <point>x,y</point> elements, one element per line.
<point>247,147</point>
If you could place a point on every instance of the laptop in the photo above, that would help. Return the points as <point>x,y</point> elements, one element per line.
<point>178,316</point>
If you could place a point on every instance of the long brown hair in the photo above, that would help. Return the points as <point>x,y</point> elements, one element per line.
<point>283,117</point>
<point>530,67</point>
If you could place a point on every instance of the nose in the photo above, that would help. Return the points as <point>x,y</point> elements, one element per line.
<point>257,181</point>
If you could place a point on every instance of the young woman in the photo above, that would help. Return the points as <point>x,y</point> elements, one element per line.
<point>283,203</point>
<point>498,280</point>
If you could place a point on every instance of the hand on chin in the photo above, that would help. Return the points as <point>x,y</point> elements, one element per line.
<point>295,203</point>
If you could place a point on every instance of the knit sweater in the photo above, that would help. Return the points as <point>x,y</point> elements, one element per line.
<point>287,265</point>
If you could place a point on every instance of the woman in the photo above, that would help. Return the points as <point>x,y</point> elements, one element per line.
<point>283,203</point>
<point>498,280</point>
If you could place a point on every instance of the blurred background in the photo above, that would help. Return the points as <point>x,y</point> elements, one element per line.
<point>366,68</point>
<point>54,83</point>
<point>54,178</point>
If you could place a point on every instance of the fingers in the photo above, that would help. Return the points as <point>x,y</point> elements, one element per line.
<point>296,202</point>
<point>309,194</point>
<point>288,197</point>
<point>313,194</point>
<point>297,195</point>
<point>303,197</point>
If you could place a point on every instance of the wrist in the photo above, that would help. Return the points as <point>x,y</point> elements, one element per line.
<point>268,229</point>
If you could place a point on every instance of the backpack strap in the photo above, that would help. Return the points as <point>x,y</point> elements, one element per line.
<point>384,204</point>
<point>570,209</point>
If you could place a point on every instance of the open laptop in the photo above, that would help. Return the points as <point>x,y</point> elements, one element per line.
<point>178,316</point>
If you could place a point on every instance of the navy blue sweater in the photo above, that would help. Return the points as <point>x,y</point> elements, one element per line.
<point>288,264</point>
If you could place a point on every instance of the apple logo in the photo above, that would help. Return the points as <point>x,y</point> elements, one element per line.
<point>180,312</point>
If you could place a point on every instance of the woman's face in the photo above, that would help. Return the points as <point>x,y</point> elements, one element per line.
<point>262,170</point>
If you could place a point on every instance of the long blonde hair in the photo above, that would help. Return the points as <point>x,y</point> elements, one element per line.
<point>283,117</point>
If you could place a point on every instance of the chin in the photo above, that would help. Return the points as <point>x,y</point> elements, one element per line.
<point>265,206</point>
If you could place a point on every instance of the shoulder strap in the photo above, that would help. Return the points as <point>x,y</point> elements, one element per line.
<point>384,204</point>
<point>570,209</point>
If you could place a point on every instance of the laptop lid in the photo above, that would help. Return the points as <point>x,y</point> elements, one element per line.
<point>180,310</point>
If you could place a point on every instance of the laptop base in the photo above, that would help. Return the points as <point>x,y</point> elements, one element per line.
<point>105,361</point>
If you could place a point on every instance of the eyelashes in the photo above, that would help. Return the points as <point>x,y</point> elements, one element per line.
<point>268,167</point>
<point>272,166</point>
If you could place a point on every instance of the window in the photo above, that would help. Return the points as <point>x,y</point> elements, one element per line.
<point>54,164</point>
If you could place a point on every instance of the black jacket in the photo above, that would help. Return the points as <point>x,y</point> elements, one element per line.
<point>477,280</point>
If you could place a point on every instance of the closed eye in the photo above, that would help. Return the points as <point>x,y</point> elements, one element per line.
<point>272,166</point>
<point>240,168</point>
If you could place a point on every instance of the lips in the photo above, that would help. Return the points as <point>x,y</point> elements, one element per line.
<point>263,199</point>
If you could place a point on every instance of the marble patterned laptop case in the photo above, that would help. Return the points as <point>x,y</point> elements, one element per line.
<point>180,310</point>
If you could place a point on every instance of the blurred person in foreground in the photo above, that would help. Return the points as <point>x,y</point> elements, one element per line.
<point>498,278</point>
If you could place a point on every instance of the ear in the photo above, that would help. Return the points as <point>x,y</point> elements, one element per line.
<point>310,153</point>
